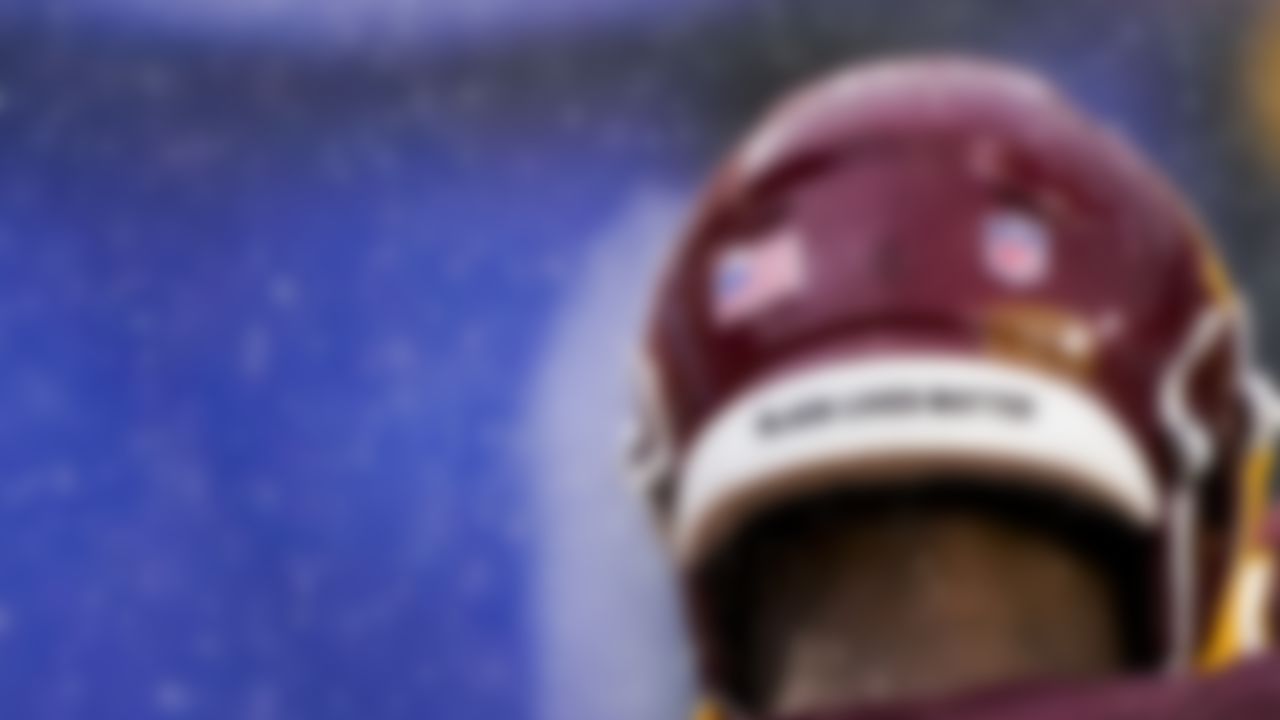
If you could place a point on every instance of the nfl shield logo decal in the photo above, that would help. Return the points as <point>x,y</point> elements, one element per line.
<point>1017,248</point>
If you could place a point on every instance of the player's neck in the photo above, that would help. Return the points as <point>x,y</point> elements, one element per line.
<point>931,608</point>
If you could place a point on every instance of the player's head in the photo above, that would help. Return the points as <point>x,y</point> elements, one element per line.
<point>935,279</point>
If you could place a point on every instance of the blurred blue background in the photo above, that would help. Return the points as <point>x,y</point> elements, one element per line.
<point>315,319</point>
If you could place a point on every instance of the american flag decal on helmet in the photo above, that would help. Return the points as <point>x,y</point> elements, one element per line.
<point>751,278</point>
<point>1016,248</point>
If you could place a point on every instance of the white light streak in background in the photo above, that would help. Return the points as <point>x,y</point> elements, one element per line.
<point>609,641</point>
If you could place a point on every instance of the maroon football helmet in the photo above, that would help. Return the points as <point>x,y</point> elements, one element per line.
<point>923,267</point>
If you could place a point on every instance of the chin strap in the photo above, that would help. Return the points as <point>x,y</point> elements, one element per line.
<point>1195,451</point>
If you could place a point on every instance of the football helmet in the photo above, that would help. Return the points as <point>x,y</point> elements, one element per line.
<point>922,266</point>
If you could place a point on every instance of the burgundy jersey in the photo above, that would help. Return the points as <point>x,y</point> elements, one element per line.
<point>1247,692</point>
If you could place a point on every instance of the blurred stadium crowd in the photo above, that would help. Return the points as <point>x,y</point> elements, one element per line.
<point>288,291</point>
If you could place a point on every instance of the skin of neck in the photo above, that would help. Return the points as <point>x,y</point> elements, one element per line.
<point>911,603</point>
